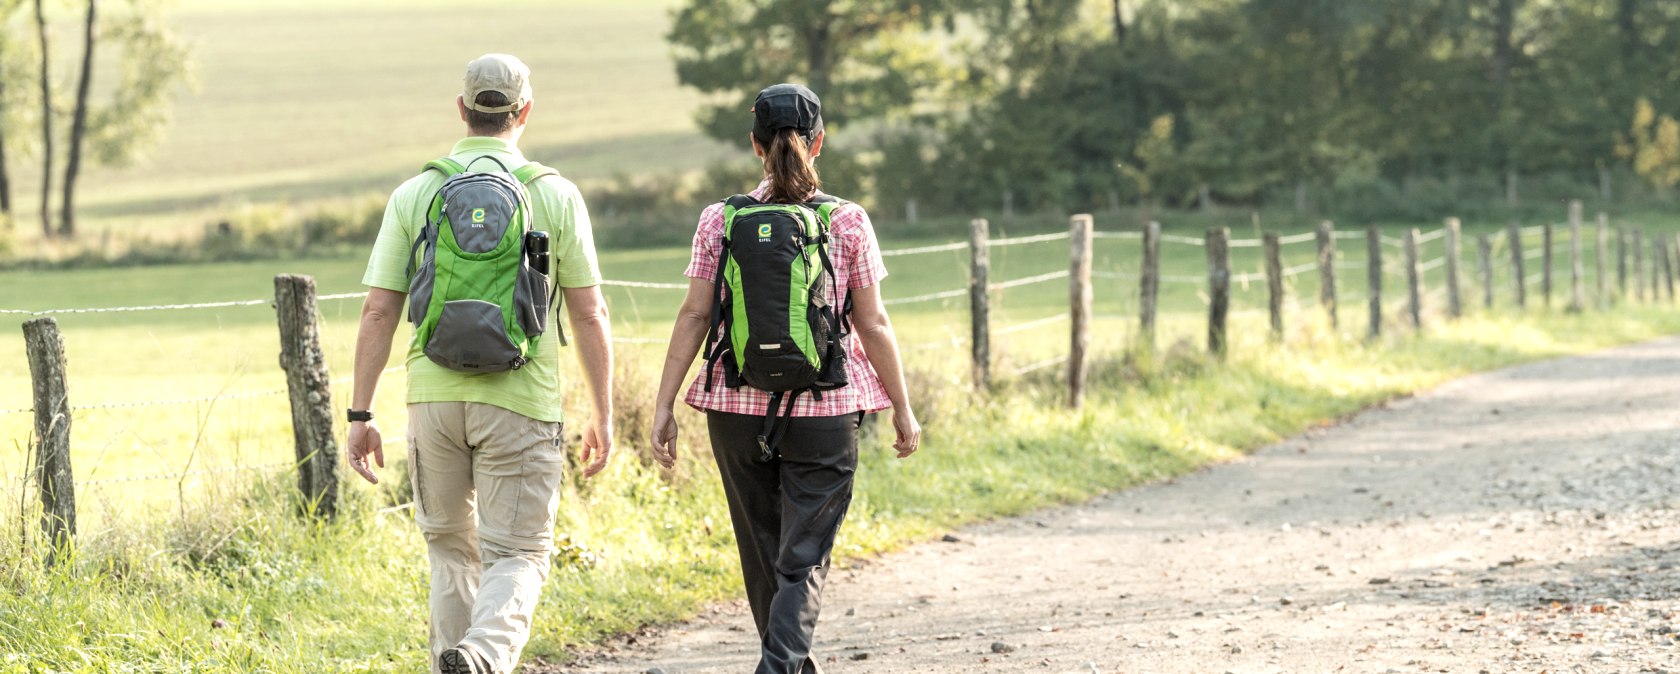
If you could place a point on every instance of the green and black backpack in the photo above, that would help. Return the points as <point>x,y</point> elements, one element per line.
<point>479,298</point>
<point>778,313</point>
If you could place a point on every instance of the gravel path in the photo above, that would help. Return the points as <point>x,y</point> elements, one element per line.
<point>1518,521</point>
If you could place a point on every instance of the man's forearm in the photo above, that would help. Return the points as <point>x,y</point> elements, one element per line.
<point>373,351</point>
<point>592,334</point>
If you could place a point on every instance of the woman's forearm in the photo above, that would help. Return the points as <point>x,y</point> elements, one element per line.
<point>880,345</point>
<point>686,337</point>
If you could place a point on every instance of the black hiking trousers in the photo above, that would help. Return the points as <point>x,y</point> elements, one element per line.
<point>786,512</point>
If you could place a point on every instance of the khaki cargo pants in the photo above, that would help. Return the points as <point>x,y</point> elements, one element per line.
<point>486,485</point>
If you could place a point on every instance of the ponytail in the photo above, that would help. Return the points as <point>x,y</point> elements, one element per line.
<point>788,162</point>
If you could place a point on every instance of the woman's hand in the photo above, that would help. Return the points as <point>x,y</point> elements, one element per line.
<point>909,432</point>
<point>665,437</point>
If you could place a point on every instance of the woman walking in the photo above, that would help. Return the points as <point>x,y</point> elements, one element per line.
<point>784,293</point>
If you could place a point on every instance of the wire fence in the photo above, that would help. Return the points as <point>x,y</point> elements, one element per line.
<point>1391,266</point>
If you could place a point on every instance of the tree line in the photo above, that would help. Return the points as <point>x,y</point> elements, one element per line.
<point>42,111</point>
<point>1092,103</point>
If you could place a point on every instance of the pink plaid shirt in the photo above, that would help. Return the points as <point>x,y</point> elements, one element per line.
<point>857,264</point>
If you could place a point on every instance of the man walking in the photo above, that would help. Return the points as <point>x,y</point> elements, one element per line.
<point>484,390</point>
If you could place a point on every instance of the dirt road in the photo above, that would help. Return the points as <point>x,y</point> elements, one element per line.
<point>1518,521</point>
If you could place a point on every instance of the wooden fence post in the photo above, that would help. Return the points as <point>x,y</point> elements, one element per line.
<point>1219,286</point>
<point>1414,281</point>
<point>1577,266</point>
<point>980,265</point>
<point>1274,282</point>
<point>1637,243</point>
<point>1661,244</point>
<point>1079,301</point>
<point>1621,263</point>
<point>1657,269</point>
<point>1327,270</point>
<point>1674,263</point>
<point>1546,265</point>
<point>57,482</point>
<point>1149,283</point>
<point>1513,233</point>
<point>310,389</point>
<point>1602,260</point>
<point>1455,301</point>
<point>1374,276</point>
<point>1484,267</point>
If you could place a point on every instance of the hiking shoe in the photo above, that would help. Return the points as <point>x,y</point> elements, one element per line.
<point>457,661</point>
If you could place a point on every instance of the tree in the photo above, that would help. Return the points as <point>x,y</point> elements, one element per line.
<point>46,120</point>
<point>1653,144</point>
<point>6,9</point>
<point>78,127</point>
<point>865,58</point>
<point>136,111</point>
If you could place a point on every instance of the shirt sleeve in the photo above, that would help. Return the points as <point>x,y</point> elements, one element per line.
<point>703,264</point>
<point>575,263</point>
<point>387,266</point>
<point>864,266</point>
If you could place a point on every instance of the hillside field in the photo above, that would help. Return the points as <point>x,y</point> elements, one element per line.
<point>305,101</point>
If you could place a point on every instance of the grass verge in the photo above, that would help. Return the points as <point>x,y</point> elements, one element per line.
<point>231,581</point>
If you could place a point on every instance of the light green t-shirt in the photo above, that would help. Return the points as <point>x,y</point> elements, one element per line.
<point>557,208</point>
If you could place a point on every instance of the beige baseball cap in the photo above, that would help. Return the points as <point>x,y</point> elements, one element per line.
<point>500,73</point>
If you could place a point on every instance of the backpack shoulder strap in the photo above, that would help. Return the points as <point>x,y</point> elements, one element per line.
<point>533,172</point>
<point>740,201</point>
<point>448,167</point>
<point>825,206</point>
<point>733,204</point>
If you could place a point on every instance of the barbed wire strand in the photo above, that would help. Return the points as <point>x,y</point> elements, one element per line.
<point>1033,325</point>
<point>645,284</point>
<point>929,297</point>
<point>921,250</point>
<point>1041,278</point>
<point>179,401</point>
<point>1040,238</point>
<point>1306,237</point>
<point>1034,367</point>
<point>194,473</point>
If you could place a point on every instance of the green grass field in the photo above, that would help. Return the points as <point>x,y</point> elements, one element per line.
<point>301,102</point>
<point>162,559</point>
<point>231,353</point>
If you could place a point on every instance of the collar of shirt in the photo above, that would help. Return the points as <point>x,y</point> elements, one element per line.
<point>487,144</point>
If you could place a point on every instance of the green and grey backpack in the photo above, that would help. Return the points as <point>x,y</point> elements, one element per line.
<point>778,313</point>
<point>477,301</point>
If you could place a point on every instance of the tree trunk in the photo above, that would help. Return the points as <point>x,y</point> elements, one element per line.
<point>1627,28</point>
<point>1499,74</point>
<point>46,121</point>
<point>1119,22</point>
<point>1499,68</point>
<point>5,180</point>
<point>819,56</point>
<point>78,129</point>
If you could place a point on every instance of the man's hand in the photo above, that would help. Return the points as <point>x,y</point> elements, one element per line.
<point>909,432</point>
<point>597,446</point>
<point>365,440</point>
<point>665,437</point>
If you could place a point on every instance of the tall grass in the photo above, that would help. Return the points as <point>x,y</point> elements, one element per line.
<point>235,582</point>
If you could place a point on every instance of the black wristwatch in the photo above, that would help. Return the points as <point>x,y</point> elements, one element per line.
<point>361,415</point>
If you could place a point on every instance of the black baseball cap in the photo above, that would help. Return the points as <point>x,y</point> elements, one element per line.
<point>786,106</point>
